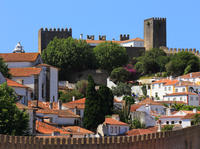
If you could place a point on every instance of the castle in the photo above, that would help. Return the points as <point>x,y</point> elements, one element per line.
<point>154,36</point>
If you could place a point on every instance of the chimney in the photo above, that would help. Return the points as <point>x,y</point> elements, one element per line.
<point>59,105</point>
<point>116,117</point>
<point>190,75</point>
<point>51,105</point>
<point>81,36</point>
<point>147,108</point>
<point>159,126</point>
<point>194,110</point>
<point>78,129</point>
<point>73,98</point>
<point>170,77</point>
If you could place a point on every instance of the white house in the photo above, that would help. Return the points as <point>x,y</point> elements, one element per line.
<point>28,69</point>
<point>192,77</point>
<point>183,118</point>
<point>21,91</point>
<point>136,42</point>
<point>112,127</point>
<point>175,90</point>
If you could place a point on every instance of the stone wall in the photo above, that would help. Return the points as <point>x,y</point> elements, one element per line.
<point>187,138</point>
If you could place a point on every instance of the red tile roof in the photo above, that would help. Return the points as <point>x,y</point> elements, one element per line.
<point>19,57</point>
<point>77,130</point>
<point>45,128</point>
<point>21,106</point>
<point>189,116</point>
<point>114,41</point>
<point>161,81</point>
<point>181,93</point>
<point>111,121</point>
<point>118,101</point>
<point>191,75</point>
<point>24,72</point>
<point>134,107</point>
<point>80,104</point>
<point>172,102</point>
<point>148,101</point>
<point>15,84</point>
<point>59,113</point>
<point>171,82</point>
<point>186,83</point>
<point>133,132</point>
<point>46,65</point>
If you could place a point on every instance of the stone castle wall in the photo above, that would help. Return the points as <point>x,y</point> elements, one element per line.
<point>187,138</point>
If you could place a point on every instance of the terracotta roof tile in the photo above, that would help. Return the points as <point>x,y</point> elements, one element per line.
<point>24,72</point>
<point>80,104</point>
<point>171,82</point>
<point>148,101</point>
<point>186,83</point>
<point>172,102</point>
<point>134,107</point>
<point>161,81</point>
<point>15,84</point>
<point>181,93</point>
<point>133,132</point>
<point>189,116</point>
<point>19,57</point>
<point>45,128</point>
<point>46,65</point>
<point>191,75</point>
<point>111,121</point>
<point>21,106</point>
<point>77,130</point>
<point>114,41</point>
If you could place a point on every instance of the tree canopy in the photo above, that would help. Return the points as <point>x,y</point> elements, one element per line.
<point>183,63</point>
<point>121,89</point>
<point>69,55</point>
<point>110,55</point>
<point>12,120</point>
<point>119,74</point>
<point>4,69</point>
<point>98,104</point>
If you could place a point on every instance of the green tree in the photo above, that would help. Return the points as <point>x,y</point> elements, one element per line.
<point>110,55</point>
<point>152,61</point>
<point>136,124</point>
<point>69,55</point>
<point>81,86</point>
<point>167,128</point>
<point>106,97</point>
<point>67,97</point>
<point>4,69</point>
<point>121,89</point>
<point>91,112</point>
<point>12,120</point>
<point>183,63</point>
<point>196,119</point>
<point>119,75</point>
<point>144,90</point>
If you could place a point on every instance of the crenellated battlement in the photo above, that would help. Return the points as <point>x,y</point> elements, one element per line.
<point>157,140</point>
<point>176,50</point>
<point>46,35</point>
<point>159,19</point>
<point>56,30</point>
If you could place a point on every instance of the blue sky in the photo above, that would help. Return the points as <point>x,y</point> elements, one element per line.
<point>20,20</point>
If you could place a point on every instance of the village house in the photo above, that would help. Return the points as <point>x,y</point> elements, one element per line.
<point>29,70</point>
<point>112,127</point>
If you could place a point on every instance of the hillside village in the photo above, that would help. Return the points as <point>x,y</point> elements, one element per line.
<point>158,103</point>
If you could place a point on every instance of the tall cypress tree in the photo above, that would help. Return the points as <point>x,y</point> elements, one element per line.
<point>91,106</point>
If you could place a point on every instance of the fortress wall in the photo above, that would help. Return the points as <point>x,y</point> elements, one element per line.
<point>187,138</point>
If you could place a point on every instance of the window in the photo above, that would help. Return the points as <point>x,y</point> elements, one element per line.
<point>149,87</point>
<point>172,122</point>
<point>153,86</point>
<point>119,129</point>
<point>165,88</point>
<point>42,90</point>
<point>174,99</point>
<point>168,99</point>
<point>169,88</point>
<point>156,94</point>
<point>197,98</point>
<point>180,122</point>
<point>167,122</point>
<point>176,90</point>
<point>180,98</point>
<point>191,98</point>
<point>111,129</point>
<point>183,89</point>
<point>115,129</point>
<point>159,85</point>
<point>125,129</point>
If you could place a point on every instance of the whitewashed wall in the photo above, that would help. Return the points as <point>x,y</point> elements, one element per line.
<point>54,84</point>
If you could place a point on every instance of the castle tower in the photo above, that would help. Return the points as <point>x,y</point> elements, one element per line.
<point>154,33</point>
<point>47,35</point>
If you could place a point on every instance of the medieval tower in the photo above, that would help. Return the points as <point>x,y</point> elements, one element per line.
<point>45,36</point>
<point>154,33</point>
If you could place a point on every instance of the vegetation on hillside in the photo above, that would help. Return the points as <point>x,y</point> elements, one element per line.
<point>4,69</point>
<point>12,120</point>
